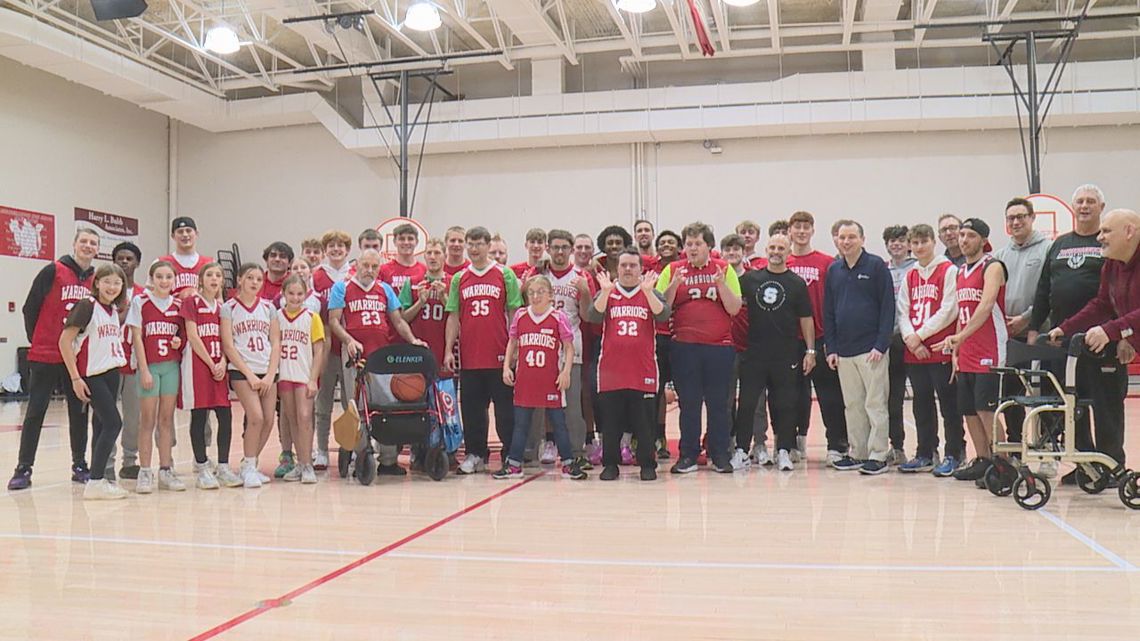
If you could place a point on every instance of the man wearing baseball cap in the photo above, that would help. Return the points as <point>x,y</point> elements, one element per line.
<point>186,259</point>
<point>979,341</point>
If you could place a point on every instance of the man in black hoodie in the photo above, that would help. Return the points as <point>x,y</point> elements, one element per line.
<point>1069,279</point>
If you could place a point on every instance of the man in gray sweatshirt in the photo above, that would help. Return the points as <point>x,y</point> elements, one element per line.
<point>1024,258</point>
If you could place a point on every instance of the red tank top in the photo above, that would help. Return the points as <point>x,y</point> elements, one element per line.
<point>984,348</point>
<point>540,345</point>
<point>629,344</point>
<point>813,269</point>
<point>159,327</point>
<point>66,290</point>
<point>430,325</point>
<point>482,317</point>
<point>698,314</point>
<point>925,295</point>
<point>198,388</point>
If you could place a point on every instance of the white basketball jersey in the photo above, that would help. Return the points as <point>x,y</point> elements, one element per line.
<point>566,300</point>
<point>297,338</point>
<point>250,327</point>
<point>99,346</point>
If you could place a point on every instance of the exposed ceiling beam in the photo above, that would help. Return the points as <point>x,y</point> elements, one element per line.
<point>678,29</point>
<point>928,7</point>
<point>565,46</point>
<point>720,19</point>
<point>456,12</point>
<point>774,22</point>
<point>626,33</point>
<point>849,7</point>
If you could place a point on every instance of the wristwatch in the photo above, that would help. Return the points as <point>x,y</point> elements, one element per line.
<point>811,352</point>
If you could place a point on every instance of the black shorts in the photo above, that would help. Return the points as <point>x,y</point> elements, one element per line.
<point>235,375</point>
<point>664,369</point>
<point>977,393</point>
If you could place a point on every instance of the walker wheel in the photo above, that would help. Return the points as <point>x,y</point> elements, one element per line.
<point>366,468</point>
<point>343,462</point>
<point>1130,490</point>
<point>1032,491</point>
<point>1086,481</point>
<point>999,481</point>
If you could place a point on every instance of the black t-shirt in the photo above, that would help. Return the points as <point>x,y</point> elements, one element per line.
<point>775,303</point>
<point>1069,279</point>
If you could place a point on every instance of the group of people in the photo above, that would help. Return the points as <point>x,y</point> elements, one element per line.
<point>575,346</point>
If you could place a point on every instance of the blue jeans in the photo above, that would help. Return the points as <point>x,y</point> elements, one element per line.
<point>702,374</point>
<point>557,418</point>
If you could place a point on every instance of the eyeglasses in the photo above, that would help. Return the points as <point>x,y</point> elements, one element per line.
<point>948,228</point>
<point>1016,218</point>
<point>559,248</point>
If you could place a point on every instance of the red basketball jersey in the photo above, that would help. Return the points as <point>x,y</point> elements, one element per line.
<point>199,389</point>
<point>925,295</point>
<point>365,314</point>
<point>984,348</point>
<point>324,277</point>
<point>482,307</point>
<point>396,274</point>
<point>451,271</point>
<point>629,344</point>
<point>757,262</point>
<point>540,340</point>
<point>698,315</point>
<point>521,269</point>
<point>66,290</point>
<point>430,325</point>
<point>159,324</point>
<point>813,269</point>
<point>186,277</point>
<point>271,289</point>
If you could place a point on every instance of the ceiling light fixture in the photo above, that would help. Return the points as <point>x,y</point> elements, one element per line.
<point>422,16</point>
<point>741,3</point>
<point>222,39</point>
<point>637,6</point>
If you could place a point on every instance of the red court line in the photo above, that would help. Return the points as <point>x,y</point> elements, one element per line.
<point>269,604</point>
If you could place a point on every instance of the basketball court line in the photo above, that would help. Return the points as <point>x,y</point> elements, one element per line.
<point>270,604</point>
<point>1108,554</point>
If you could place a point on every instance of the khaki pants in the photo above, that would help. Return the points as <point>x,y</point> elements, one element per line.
<point>865,388</point>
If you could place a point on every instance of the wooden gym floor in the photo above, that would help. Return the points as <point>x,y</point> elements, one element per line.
<point>813,554</point>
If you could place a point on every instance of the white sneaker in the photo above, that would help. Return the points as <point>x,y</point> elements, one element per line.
<point>212,464</point>
<point>471,464</point>
<point>227,477</point>
<point>549,453</point>
<point>205,479</point>
<point>1048,469</point>
<point>103,490</point>
<point>168,480</point>
<point>801,448</point>
<point>761,455</point>
<point>740,460</point>
<point>834,456</point>
<point>264,478</point>
<point>321,459</point>
<point>308,474</point>
<point>293,475</point>
<point>784,461</point>
<point>896,457</point>
<point>144,484</point>
<point>249,476</point>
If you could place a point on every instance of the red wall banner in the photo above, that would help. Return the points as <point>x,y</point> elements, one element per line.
<point>27,234</point>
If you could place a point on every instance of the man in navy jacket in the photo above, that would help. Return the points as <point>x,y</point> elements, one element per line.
<point>858,317</point>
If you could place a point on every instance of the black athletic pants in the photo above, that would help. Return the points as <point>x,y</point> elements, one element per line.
<point>830,395</point>
<point>198,433</point>
<point>478,389</point>
<point>664,375</point>
<point>106,423</point>
<point>780,379</point>
<point>926,381</point>
<point>628,411</point>
<point>42,381</point>
<point>897,376</point>
<point>1106,383</point>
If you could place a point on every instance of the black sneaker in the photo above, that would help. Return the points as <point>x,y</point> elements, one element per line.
<point>684,465</point>
<point>129,472</point>
<point>573,471</point>
<point>722,465</point>
<point>847,464</point>
<point>80,473</point>
<point>609,473</point>
<point>21,478</point>
<point>663,450</point>
<point>584,463</point>
<point>649,473</point>
<point>974,471</point>
<point>390,470</point>
<point>872,467</point>
<point>1070,478</point>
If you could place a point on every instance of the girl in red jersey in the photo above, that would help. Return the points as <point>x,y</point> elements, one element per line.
<point>205,385</point>
<point>156,328</point>
<point>251,340</point>
<point>302,358</point>
<point>542,339</point>
<point>92,349</point>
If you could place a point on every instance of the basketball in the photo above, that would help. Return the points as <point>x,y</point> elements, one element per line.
<point>408,388</point>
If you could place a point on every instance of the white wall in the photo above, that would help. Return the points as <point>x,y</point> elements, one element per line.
<point>66,146</point>
<point>291,183</point>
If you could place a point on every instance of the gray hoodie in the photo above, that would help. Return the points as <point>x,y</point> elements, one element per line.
<point>1023,263</point>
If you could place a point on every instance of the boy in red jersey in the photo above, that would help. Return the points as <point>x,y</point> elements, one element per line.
<point>456,245</point>
<point>360,311</point>
<point>705,294</point>
<point>423,303</point>
<point>927,309</point>
<point>811,265</point>
<point>334,269</point>
<point>54,292</point>
<point>627,365</point>
<point>404,268</point>
<point>497,250</point>
<point>185,258</point>
<point>643,239</point>
<point>535,250</point>
<point>541,338</point>
<point>479,302</point>
<point>750,232</point>
<point>278,257</point>
<point>979,342</point>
